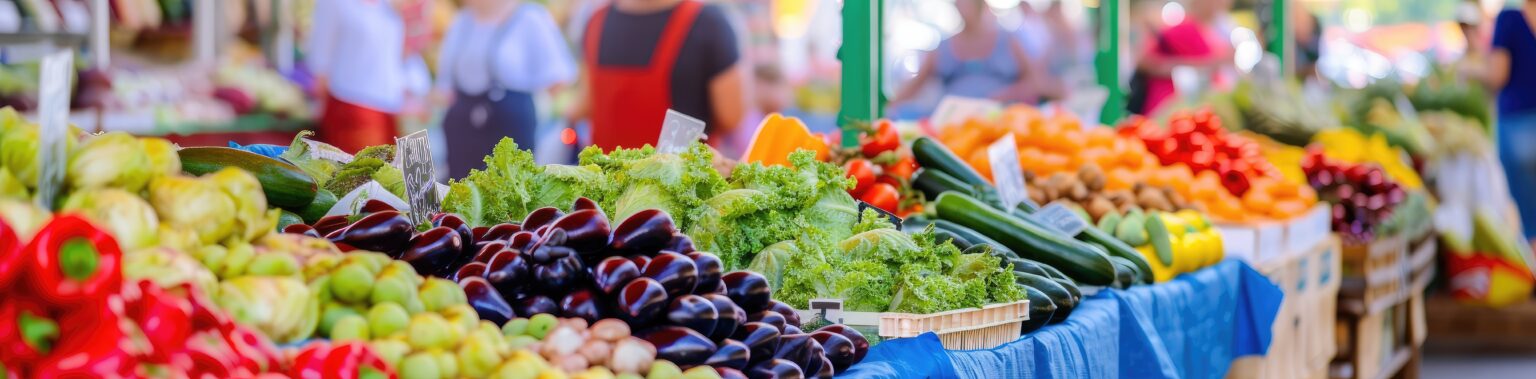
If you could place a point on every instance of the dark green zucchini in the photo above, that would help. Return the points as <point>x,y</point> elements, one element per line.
<point>316,209</point>
<point>973,236</point>
<point>931,154</point>
<point>1058,294</point>
<point>1077,294</point>
<point>1029,266</point>
<point>1125,272</point>
<point>1027,239</point>
<point>285,185</point>
<point>1041,310</point>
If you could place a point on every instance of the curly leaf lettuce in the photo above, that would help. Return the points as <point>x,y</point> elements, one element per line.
<point>642,179</point>
<point>771,204</point>
<point>512,185</point>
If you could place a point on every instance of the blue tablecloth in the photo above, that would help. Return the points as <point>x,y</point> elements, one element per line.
<point>1189,328</point>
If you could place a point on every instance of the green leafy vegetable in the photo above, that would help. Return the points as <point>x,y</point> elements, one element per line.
<point>771,204</point>
<point>512,185</point>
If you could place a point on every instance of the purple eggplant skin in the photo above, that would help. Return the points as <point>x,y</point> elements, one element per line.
<point>582,303</point>
<point>732,354</point>
<point>434,251</point>
<point>675,271</point>
<point>860,344</point>
<point>559,276</point>
<point>478,233</point>
<point>730,373</point>
<point>644,232</point>
<point>328,224</point>
<point>583,203</point>
<point>386,232</point>
<point>541,217</point>
<point>693,312</point>
<point>302,229</point>
<point>761,339</point>
<point>508,271</point>
<point>470,270</point>
<point>453,221</point>
<point>683,346</point>
<point>613,273</point>
<point>791,329</point>
<point>681,243</point>
<point>827,370</point>
<point>801,349</point>
<point>748,289</point>
<point>501,232</point>
<point>775,369</point>
<point>535,304</point>
<point>640,260</point>
<point>838,350</point>
<point>770,318</point>
<point>521,241</point>
<point>586,230</point>
<point>641,301</point>
<point>790,316</point>
<point>486,301</point>
<point>375,206</point>
<point>729,316</point>
<point>710,270</point>
<point>489,249</point>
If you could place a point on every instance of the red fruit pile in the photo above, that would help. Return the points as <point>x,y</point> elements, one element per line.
<point>1363,197</point>
<point>880,169</point>
<point>1198,140</point>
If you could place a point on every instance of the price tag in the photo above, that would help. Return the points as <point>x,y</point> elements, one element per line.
<point>678,131</point>
<point>322,150</point>
<point>1006,173</point>
<point>954,110</point>
<point>831,310</point>
<point>892,216</point>
<point>1060,218</point>
<point>53,120</point>
<point>420,187</point>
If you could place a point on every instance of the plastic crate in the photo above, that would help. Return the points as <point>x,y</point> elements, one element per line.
<point>973,328</point>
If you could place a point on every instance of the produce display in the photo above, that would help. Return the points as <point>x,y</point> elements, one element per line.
<point>1363,197</point>
<point>882,171</point>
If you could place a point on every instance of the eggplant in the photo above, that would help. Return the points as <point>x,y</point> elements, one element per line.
<point>489,249</point>
<point>541,217</point>
<point>488,303</point>
<point>500,232</point>
<point>453,221</point>
<point>434,252</point>
<point>801,349</point>
<point>581,303</point>
<point>470,270</point>
<point>329,224</point>
<point>710,270</point>
<point>478,232</point>
<point>641,301</point>
<point>761,339</point>
<point>304,229</point>
<point>680,345</point>
<point>748,289</point>
<point>730,373</point>
<point>791,329</point>
<point>730,353</point>
<point>681,243</point>
<point>838,349</point>
<point>535,304</point>
<point>644,232</point>
<point>522,240</point>
<point>586,231</point>
<point>818,363</point>
<point>375,206</point>
<point>860,344</point>
<point>583,203</point>
<point>729,318</point>
<point>508,271</point>
<point>613,273</point>
<point>775,369</point>
<point>640,260</point>
<point>693,312</point>
<point>543,253</point>
<point>386,232</point>
<point>770,318</point>
<point>675,271</point>
<point>827,370</point>
<point>559,276</point>
<point>790,316</point>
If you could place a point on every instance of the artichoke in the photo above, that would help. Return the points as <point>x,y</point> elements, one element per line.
<point>114,159</point>
<point>195,204</point>
<point>130,219</point>
<point>283,308</point>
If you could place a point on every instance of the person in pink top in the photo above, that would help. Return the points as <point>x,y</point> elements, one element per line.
<point>1194,42</point>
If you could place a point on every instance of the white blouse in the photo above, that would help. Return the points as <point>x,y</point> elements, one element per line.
<point>531,55</point>
<point>358,45</point>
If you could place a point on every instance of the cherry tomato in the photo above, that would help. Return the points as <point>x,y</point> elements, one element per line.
<point>882,195</point>
<point>902,168</point>
<point>863,172</point>
<point>885,139</point>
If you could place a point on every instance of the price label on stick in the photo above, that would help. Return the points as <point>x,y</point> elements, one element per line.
<point>1060,218</point>
<point>888,215</point>
<point>678,131</point>
<point>831,309</point>
<point>415,157</point>
<point>53,120</point>
<point>1006,173</point>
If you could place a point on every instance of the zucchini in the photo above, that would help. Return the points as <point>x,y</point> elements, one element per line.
<point>932,182</point>
<point>1031,241</point>
<point>1058,294</point>
<point>1077,293</point>
<point>285,185</point>
<point>1161,239</point>
<point>316,209</point>
<point>931,155</point>
<point>1029,266</point>
<point>287,218</point>
<point>973,236</point>
<point>940,235</point>
<point>1114,247</point>
<point>1125,272</point>
<point>915,223</point>
<point>1041,310</point>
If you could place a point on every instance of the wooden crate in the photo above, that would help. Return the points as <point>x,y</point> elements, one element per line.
<point>1268,242</point>
<point>1386,272</point>
<point>1302,344</point>
<point>974,328</point>
<point>1477,329</point>
<point>1380,345</point>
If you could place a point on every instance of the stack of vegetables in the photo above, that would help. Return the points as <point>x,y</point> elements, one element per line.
<point>882,169</point>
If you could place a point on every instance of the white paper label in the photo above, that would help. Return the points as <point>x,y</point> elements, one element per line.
<point>322,150</point>
<point>830,310</point>
<point>53,122</point>
<point>678,131</point>
<point>1060,218</point>
<point>1006,173</point>
<point>954,110</point>
<point>415,155</point>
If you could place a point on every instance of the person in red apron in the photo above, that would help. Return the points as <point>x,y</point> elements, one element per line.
<point>357,53</point>
<point>643,57</point>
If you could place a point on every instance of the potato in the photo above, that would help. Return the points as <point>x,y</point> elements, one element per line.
<point>1098,206</point>
<point>1092,177</point>
<point>1151,198</point>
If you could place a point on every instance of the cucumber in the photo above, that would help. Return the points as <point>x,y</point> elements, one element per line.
<point>1107,223</point>
<point>285,185</point>
<point>1119,249</point>
<point>1077,293</point>
<point>931,155</point>
<point>933,182</point>
<point>1125,273</point>
<point>1041,310</point>
<point>1028,240</point>
<point>316,209</point>
<point>1029,266</point>
<point>1159,236</point>
<point>973,236</point>
<point>1058,294</point>
<point>287,218</point>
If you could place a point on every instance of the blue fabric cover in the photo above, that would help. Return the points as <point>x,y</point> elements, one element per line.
<point>1189,328</point>
<point>268,150</point>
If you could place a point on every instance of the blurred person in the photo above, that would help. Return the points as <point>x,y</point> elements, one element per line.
<point>1195,42</point>
<point>357,52</point>
<point>497,56</point>
<point>1474,58</point>
<point>980,61</point>
<point>643,57</point>
<point>1512,70</point>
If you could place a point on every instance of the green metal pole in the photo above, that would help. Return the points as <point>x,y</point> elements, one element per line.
<point>1280,36</point>
<point>1106,61</point>
<point>863,66</point>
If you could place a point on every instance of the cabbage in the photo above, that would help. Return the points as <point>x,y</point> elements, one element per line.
<point>772,260</point>
<point>163,159</point>
<point>114,159</point>
<point>168,268</point>
<point>252,218</point>
<point>131,220</point>
<point>194,204</point>
<point>283,308</point>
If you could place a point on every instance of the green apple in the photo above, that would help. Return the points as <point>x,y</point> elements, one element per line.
<point>663,369</point>
<point>438,293</point>
<point>332,312</point>
<point>352,283</point>
<point>515,327</point>
<point>540,324</point>
<point>350,328</point>
<point>447,362</point>
<point>273,264</point>
<point>386,319</point>
<point>701,372</point>
<point>392,351</point>
<point>478,357</point>
<point>420,365</point>
<point>392,289</point>
<point>429,330</point>
<point>238,260</point>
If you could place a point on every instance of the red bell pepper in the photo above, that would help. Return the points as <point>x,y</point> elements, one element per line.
<point>207,353</point>
<point>73,262</point>
<point>28,332</point>
<point>255,351</point>
<point>165,319</point>
<point>351,360</point>
<point>11,259</point>
<point>92,361</point>
<point>53,342</point>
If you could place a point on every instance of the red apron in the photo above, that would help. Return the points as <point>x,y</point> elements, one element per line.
<point>352,127</point>
<point>629,103</point>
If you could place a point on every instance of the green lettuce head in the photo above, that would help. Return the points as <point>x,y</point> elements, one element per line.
<point>194,204</point>
<point>114,159</point>
<point>130,219</point>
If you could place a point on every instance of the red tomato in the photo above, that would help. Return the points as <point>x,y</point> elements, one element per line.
<point>902,168</point>
<point>885,139</point>
<point>882,195</point>
<point>863,172</point>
